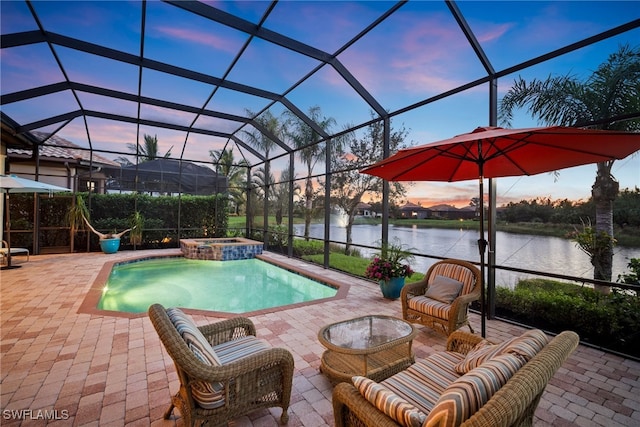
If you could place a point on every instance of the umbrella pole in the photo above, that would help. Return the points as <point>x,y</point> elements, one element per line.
<point>8,231</point>
<point>482,246</point>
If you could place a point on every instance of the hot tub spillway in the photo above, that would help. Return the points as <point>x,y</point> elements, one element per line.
<point>220,249</point>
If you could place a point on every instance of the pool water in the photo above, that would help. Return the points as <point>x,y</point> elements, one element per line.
<point>239,286</point>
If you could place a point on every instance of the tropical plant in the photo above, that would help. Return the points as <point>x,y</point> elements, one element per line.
<point>603,100</point>
<point>136,221</point>
<point>104,236</point>
<point>75,217</point>
<point>594,243</point>
<point>392,261</point>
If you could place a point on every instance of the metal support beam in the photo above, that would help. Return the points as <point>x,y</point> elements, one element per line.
<point>327,202</point>
<point>385,184</point>
<point>491,258</point>
<point>292,162</point>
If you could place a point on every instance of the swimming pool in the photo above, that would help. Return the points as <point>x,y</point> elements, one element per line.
<point>238,286</point>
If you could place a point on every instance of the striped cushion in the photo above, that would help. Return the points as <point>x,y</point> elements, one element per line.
<point>456,272</point>
<point>388,402</point>
<point>423,382</point>
<point>466,395</point>
<point>482,352</point>
<point>233,350</point>
<point>208,395</point>
<point>526,346</point>
<point>429,306</point>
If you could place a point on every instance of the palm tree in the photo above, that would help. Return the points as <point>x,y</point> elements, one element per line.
<point>264,144</point>
<point>259,140</point>
<point>311,152</point>
<point>281,194</point>
<point>610,93</point>
<point>235,173</point>
<point>148,151</point>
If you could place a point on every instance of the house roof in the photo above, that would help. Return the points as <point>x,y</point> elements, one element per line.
<point>59,149</point>
<point>443,208</point>
<point>412,206</point>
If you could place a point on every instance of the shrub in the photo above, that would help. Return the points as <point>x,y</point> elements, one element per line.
<point>610,321</point>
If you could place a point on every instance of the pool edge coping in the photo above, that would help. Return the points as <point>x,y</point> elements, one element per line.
<point>90,302</point>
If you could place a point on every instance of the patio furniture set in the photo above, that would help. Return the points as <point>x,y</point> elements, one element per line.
<point>225,371</point>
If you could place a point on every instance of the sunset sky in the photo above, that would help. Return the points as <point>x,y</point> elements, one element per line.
<point>415,54</point>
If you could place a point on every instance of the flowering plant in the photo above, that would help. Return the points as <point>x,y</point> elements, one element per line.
<point>389,263</point>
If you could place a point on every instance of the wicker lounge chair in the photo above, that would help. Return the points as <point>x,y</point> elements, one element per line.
<point>434,394</point>
<point>444,311</point>
<point>4,252</point>
<point>249,374</point>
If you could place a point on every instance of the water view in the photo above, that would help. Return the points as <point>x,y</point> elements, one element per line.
<point>540,253</point>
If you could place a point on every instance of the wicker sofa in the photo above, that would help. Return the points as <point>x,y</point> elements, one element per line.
<point>224,370</point>
<point>500,385</point>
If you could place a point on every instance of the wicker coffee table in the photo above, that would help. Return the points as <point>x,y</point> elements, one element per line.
<point>372,346</point>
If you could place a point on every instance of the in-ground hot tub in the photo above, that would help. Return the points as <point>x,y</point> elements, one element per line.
<point>220,249</point>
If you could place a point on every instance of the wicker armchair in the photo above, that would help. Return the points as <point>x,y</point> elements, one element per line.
<point>442,317</point>
<point>514,404</point>
<point>251,375</point>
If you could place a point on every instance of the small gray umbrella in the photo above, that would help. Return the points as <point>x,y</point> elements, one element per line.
<point>15,184</point>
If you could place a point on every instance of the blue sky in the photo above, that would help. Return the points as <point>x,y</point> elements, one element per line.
<point>415,54</point>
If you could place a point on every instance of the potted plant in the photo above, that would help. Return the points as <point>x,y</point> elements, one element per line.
<point>109,242</point>
<point>390,268</point>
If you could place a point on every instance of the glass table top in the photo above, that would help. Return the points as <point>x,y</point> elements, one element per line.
<point>366,332</point>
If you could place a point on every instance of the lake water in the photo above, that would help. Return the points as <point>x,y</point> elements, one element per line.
<point>545,254</point>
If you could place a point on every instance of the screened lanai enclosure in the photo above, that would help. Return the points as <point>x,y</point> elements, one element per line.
<point>286,100</point>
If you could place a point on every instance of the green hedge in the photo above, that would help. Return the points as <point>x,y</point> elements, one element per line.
<point>609,321</point>
<point>200,216</point>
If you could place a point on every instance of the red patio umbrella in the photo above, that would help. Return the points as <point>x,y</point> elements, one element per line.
<point>493,152</point>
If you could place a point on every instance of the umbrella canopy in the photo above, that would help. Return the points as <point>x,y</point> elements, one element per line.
<point>493,152</point>
<point>15,184</point>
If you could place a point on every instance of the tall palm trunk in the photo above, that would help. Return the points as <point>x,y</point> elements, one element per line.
<point>308,208</point>
<point>604,192</point>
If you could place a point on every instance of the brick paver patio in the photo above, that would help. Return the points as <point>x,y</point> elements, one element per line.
<point>62,367</point>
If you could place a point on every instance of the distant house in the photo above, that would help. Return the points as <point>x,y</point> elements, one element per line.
<point>469,212</point>
<point>60,162</point>
<point>364,210</point>
<point>412,211</point>
<point>445,211</point>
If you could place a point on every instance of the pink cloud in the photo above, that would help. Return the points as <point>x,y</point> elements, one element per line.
<point>200,37</point>
<point>416,57</point>
<point>494,32</point>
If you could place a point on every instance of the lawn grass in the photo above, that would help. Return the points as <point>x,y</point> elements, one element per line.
<point>350,264</point>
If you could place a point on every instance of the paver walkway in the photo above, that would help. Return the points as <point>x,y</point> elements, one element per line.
<point>94,369</point>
